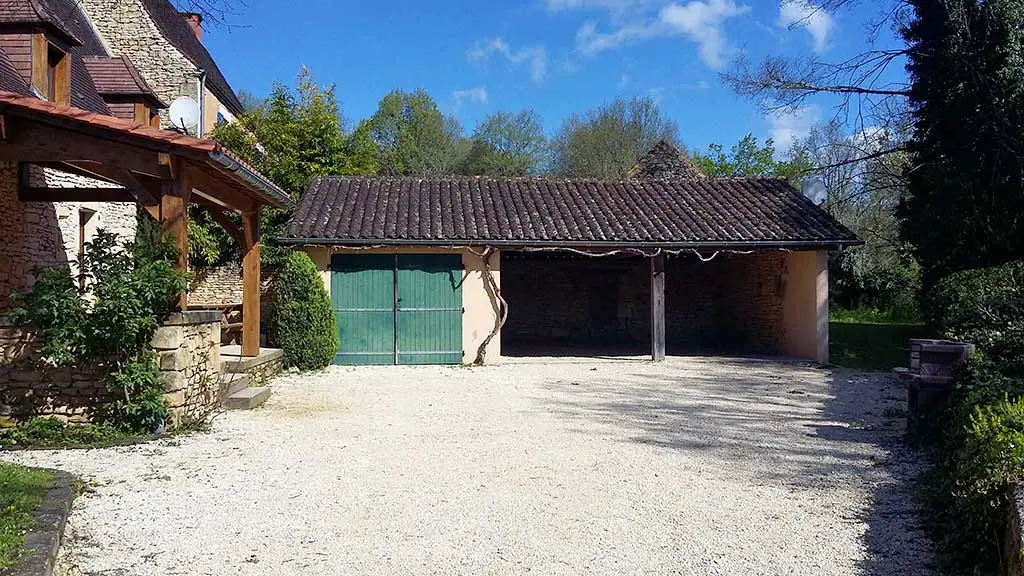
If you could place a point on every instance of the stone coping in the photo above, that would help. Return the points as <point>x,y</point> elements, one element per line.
<point>43,541</point>
<point>174,319</point>
<point>192,317</point>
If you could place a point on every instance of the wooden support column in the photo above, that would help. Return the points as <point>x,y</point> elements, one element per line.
<point>174,219</point>
<point>658,308</point>
<point>251,282</point>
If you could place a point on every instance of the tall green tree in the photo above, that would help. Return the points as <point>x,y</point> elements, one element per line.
<point>413,137</point>
<point>750,158</point>
<point>507,144</point>
<point>294,135</point>
<point>966,183</point>
<point>605,142</point>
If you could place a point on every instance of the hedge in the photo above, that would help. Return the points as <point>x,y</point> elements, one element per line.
<point>982,445</point>
<point>302,321</point>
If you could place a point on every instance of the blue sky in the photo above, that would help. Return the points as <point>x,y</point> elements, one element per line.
<point>555,56</point>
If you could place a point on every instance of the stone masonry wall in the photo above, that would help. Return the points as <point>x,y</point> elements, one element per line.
<point>127,30</point>
<point>46,234</point>
<point>188,355</point>
<point>31,388</point>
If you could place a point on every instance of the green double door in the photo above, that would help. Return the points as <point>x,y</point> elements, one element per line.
<point>398,309</point>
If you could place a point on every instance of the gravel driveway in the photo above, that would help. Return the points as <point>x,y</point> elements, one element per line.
<point>694,466</point>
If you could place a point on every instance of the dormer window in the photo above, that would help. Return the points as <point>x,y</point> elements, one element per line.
<point>51,70</point>
<point>54,60</point>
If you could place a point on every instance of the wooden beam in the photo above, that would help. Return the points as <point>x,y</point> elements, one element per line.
<point>174,220</point>
<point>36,142</point>
<point>658,308</point>
<point>222,218</point>
<point>79,170</point>
<point>251,283</point>
<point>62,80</point>
<point>220,192</point>
<point>37,194</point>
<point>40,60</point>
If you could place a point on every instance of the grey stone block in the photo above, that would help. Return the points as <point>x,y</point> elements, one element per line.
<point>173,359</point>
<point>168,337</point>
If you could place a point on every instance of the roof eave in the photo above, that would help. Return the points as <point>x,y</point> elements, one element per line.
<point>829,244</point>
<point>272,193</point>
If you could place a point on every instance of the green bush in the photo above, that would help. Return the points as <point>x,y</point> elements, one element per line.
<point>982,445</point>
<point>130,287</point>
<point>302,321</point>
<point>978,306</point>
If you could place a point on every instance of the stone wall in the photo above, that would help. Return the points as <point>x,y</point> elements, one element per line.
<point>31,388</point>
<point>46,234</point>
<point>188,355</point>
<point>127,30</point>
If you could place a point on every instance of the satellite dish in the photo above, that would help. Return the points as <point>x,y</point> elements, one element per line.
<point>184,114</point>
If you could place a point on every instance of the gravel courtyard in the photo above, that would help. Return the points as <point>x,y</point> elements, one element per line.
<point>694,466</point>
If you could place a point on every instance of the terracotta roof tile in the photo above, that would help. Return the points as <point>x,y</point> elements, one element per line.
<point>531,211</point>
<point>31,106</point>
<point>117,76</point>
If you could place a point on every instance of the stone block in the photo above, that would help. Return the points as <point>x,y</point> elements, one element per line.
<point>173,359</point>
<point>168,337</point>
<point>175,399</point>
<point>173,380</point>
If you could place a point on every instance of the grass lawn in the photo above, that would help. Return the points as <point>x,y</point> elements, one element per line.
<point>872,345</point>
<point>21,491</point>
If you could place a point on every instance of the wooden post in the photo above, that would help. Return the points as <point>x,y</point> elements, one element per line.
<point>251,283</point>
<point>658,308</point>
<point>174,219</point>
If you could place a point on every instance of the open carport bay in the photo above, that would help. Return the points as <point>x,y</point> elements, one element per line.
<point>562,303</point>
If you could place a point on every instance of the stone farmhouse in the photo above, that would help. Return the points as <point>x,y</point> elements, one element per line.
<point>84,144</point>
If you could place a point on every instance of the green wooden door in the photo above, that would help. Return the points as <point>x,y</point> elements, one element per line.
<point>429,308</point>
<point>404,309</point>
<point>363,294</point>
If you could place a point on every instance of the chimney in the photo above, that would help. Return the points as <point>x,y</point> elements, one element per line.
<point>195,21</point>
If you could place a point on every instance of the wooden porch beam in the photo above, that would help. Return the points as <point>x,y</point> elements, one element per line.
<point>658,308</point>
<point>37,194</point>
<point>251,283</point>
<point>36,142</point>
<point>221,217</point>
<point>219,192</point>
<point>174,220</point>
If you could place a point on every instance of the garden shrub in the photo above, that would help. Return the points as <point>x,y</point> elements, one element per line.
<point>130,287</point>
<point>302,320</point>
<point>982,445</point>
<point>51,432</point>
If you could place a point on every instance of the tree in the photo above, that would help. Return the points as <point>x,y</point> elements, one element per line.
<point>605,142</point>
<point>506,144</point>
<point>866,92</point>
<point>302,321</point>
<point>748,158</point>
<point>294,136</point>
<point>413,137</point>
<point>966,64</point>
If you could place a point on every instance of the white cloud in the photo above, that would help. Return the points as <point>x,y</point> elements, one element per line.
<point>476,95</point>
<point>702,21</point>
<point>815,19</point>
<point>785,127</point>
<point>533,56</point>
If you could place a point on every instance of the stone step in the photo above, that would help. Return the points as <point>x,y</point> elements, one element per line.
<point>247,398</point>
<point>231,383</point>
<point>233,361</point>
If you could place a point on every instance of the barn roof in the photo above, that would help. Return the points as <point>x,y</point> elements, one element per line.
<point>697,213</point>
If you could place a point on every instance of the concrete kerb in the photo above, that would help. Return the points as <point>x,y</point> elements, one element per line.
<point>43,541</point>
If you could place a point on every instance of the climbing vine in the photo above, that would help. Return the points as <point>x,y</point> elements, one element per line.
<point>110,323</point>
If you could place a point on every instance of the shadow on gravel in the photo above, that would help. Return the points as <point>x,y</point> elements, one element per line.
<point>780,423</point>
